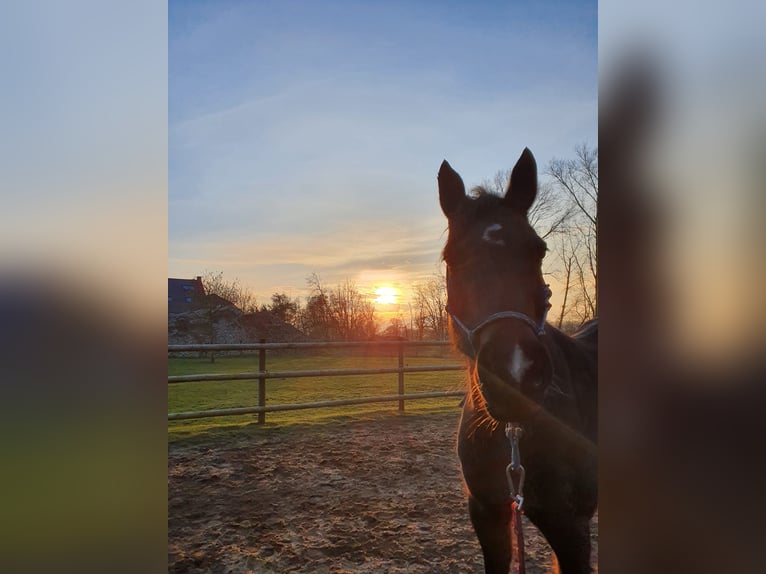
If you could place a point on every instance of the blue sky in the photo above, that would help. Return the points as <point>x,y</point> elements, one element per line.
<point>306,136</point>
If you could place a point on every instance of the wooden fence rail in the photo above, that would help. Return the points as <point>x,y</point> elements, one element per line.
<point>262,374</point>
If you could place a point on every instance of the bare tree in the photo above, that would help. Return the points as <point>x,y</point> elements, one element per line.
<point>417,326</point>
<point>430,299</point>
<point>340,313</point>
<point>353,314</point>
<point>233,291</point>
<point>567,256</point>
<point>577,180</point>
<point>314,319</point>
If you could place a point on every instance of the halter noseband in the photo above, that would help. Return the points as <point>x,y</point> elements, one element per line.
<point>537,327</point>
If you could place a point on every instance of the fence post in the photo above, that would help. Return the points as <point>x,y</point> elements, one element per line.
<point>262,383</point>
<point>400,349</point>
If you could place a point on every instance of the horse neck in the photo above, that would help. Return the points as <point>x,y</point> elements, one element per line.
<point>575,363</point>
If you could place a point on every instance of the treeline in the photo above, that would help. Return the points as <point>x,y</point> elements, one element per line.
<point>342,312</point>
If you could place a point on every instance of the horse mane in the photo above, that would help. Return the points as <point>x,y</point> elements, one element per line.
<point>479,191</point>
<point>586,328</point>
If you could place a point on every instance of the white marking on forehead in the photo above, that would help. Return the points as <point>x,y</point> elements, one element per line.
<point>486,236</point>
<point>519,363</point>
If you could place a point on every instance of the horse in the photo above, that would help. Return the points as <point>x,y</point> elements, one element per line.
<point>521,372</point>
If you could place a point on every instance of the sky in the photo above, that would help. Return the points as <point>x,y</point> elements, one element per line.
<point>305,137</point>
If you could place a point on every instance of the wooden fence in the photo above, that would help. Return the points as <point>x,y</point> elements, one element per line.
<point>263,373</point>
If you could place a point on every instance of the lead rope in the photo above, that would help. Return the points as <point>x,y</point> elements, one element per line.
<point>513,432</point>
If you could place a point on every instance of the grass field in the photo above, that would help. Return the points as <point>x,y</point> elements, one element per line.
<point>198,396</point>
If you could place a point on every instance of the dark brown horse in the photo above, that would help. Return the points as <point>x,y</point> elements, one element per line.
<point>522,371</point>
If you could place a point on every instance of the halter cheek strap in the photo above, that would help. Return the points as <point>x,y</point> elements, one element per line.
<point>537,327</point>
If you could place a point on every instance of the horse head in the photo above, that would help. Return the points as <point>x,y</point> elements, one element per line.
<point>497,298</point>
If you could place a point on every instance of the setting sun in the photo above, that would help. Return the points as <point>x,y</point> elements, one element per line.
<point>386,295</point>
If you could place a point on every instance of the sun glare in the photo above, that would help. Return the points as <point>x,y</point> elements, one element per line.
<point>386,295</point>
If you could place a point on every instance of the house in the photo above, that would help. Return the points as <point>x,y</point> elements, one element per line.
<point>185,295</point>
<point>197,317</point>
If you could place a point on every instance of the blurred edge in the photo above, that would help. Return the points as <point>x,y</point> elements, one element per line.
<point>682,143</point>
<point>83,243</point>
<point>682,146</point>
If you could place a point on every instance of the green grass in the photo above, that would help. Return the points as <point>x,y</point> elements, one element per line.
<point>199,396</point>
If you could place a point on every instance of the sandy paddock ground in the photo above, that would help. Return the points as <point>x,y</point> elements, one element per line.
<point>382,496</point>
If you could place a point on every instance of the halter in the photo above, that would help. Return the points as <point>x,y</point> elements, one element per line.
<point>537,327</point>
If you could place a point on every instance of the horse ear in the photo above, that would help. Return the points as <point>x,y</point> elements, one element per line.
<point>522,187</point>
<point>451,189</point>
